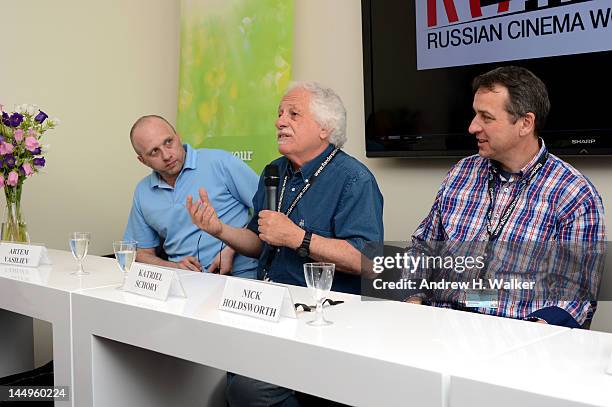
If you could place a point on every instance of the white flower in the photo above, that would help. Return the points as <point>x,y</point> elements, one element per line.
<point>32,110</point>
<point>55,121</point>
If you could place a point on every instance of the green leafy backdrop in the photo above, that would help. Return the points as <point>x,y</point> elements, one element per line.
<point>235,66</point>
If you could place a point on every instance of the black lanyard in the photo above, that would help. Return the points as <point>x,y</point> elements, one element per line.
<point>493,235</point>
<point>273,250</point>
<point>309,183</point>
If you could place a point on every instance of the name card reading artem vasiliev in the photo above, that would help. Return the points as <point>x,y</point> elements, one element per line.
<point>257,299</point>
<point>17,254</point>
<point>154,282</point>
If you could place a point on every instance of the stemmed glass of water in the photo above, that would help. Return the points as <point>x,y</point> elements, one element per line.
<point>319,278</point>
<point>125,253</point>
<point>79,243</point>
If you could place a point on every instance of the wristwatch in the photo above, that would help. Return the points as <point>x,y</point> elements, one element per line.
<point>303,250</point>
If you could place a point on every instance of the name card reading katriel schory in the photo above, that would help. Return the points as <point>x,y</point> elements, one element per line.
<point>154,282</point>
<point>17,254</point>
<point>256,299</point>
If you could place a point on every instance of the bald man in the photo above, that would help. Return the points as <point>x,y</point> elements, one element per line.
<point>158,215</point>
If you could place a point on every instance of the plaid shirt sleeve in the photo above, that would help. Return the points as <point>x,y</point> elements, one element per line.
<point>582,229</point>
<point>431,227</point>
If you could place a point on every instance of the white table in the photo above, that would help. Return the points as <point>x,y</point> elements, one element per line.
<point>376,353</point>
<point>563,370</point>
<point>44,293</point>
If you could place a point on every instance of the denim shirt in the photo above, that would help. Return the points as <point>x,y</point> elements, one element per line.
<point>344,203</point>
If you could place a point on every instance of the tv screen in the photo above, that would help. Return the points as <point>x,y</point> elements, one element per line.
<point>420,57</point>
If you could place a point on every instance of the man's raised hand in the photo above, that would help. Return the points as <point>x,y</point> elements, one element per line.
<point>203,215</point>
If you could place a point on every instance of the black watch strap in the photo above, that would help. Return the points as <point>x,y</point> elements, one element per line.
<point>304,249</point>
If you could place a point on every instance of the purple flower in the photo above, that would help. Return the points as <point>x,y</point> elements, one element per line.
<point>31,143</point>
<point>13,178</point>
<point>18,135</point>
<point>41,116</point>
<point>15,119</point>
<point>6,148</point>
<point>39,161</point>
<point>9,160</point>
<point>27,169</point>
<point>5,119</point>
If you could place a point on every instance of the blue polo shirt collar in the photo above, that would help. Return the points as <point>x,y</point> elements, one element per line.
<point>191,163</point>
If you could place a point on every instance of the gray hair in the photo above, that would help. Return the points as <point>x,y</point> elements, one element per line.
<point>327,109</point>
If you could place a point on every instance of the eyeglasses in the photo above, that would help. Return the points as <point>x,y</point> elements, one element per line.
<point>310,308</point>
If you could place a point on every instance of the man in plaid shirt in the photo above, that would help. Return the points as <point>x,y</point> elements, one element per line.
<point>515,191</point>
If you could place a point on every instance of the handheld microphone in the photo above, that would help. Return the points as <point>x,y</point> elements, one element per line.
<point>271,181</point>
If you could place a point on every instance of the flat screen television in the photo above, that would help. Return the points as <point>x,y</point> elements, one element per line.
<point>420,57</point>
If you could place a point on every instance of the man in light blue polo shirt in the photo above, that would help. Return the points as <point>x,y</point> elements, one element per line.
<point>158,213</point>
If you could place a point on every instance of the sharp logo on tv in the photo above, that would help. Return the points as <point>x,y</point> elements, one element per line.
<point>590,141</point>
<point>467,32</point>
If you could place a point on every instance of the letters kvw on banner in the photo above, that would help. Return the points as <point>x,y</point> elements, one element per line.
<point>467,32</point>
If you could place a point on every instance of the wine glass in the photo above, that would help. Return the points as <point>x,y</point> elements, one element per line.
<point>79,243</point>
<point>319,277</point>
<point>125,253</point>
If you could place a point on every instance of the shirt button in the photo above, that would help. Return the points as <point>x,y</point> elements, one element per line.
<point>277,250</point>
<point>292,189</point>
<point>506,189</point>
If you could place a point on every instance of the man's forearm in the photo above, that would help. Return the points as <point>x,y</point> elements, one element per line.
<point>148,258</point>
<point>340,252</point>
<point>243,240</point>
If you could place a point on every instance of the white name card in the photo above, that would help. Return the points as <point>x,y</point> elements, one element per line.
<point>152,281</point>
<point>257,299</point>
<point>16,254</point>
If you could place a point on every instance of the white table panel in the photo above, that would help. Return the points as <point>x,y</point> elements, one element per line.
<point>563,370</point>
<point>44,293</point>
<point>376,352</point>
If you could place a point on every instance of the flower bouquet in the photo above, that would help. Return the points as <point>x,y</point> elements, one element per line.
<point>20,158</point>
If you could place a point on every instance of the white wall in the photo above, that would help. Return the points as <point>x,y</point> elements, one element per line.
<point>98,65</point>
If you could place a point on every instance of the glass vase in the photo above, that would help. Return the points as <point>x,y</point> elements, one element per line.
<point>14,228</point>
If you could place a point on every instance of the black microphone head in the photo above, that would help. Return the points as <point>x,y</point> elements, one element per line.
<point>271,176</point>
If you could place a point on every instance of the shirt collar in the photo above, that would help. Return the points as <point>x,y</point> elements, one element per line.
<point>495,166</point>
<point>308,169</point>
<point>191,163</point>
